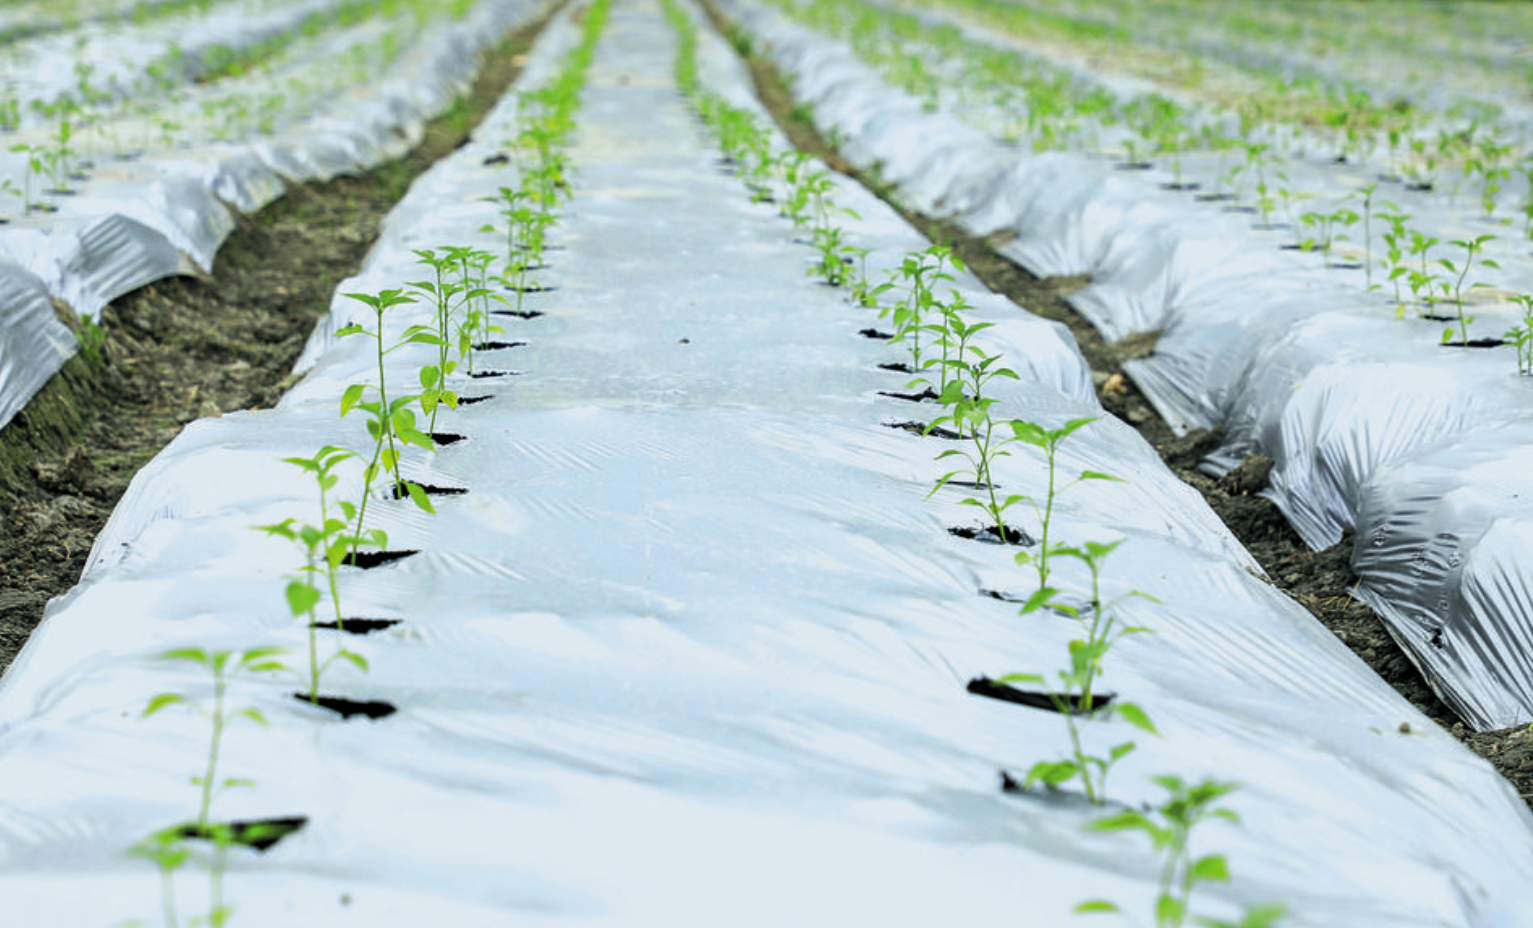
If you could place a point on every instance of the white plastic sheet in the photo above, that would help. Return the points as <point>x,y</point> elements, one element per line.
<point>132,223</point>
<point>1290,358</point>
<point>693,646</point>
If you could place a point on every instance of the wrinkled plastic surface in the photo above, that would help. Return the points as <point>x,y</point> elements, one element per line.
<point>1290,358</point>
<point>693,647</point>
<point>133,222</point>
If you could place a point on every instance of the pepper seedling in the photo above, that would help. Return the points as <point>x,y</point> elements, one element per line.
<point>223,666</point>
<point>325,547</point>
<point>1169,827</point>
<point>1075,696</point>
<point>1471,248</point>
<point>391,422</point>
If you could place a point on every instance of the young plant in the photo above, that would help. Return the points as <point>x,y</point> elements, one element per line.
<point>1421,279</point>
<point>223,666</point>
<point>1075,697</point>
<point>441,291</point>
<point>1395,244</point>
<point>921,272</point>
<point>1169,827</point>
<point>391,422</point>
<point>1521,336</point>
<point>325,547</point>
<point>968,371</point>
<point>169,851</point>
<point>1471,248</point>
<point>1049,440</point>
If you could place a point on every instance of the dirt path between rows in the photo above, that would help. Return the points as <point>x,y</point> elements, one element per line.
<point>1321,581</point>
<point>185,348</point>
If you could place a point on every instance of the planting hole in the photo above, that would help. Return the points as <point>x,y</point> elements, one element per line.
<point>260,834</point>
<point>367,560</point>
<point>447,438</point>
<point>926,394</point>
<point>987,534</point>
<point>359,626</point>
<point>1036,699</point>
<point>397,491</point>
<point>347,708</point>
<point>924,430</point>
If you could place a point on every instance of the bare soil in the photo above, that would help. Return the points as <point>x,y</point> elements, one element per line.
<point>186,348</point>
<point>1321,581</point>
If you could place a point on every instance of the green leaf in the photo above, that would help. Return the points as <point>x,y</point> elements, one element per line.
<point>161,701</point>
<point>1039,599</point>
<point>1098,475</point>
<point>1123,821</point>
<point>418,496</point>
<point>356,660</point>
<point>1213,868</point>
<point>1053,772</point>
<point>1136,717</point>
<point>253,715</point>
<point>1092,906</point>
<point>301,598</point>
<point>351,397</point>
<point>1169,910</point>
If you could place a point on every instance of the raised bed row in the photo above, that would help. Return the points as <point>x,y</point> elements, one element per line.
<point>166,210</point>
<point>1375,427</point>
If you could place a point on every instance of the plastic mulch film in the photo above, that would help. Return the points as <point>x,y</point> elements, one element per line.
<point>1289,356</point>
<point>33,342</point>
<point>167,212</point>
<point>693,645</point>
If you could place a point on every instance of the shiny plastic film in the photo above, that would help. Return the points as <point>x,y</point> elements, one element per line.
<point>1290,355</point>
<point>159,204</point>
<point>693,644</point>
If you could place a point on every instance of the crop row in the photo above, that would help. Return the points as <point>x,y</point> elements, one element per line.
<point>1373,425</point>
<point>356,96</point>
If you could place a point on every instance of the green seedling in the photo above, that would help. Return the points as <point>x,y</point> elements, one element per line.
<point>391,422</point>
<point>1487,161</point>
<point>1074,696</point>
<point>1048,441</point>
<point>223,666</point>
<point>1326,225</point>
<point>169,851</point>
<point>832,264</point>
<point>1521,336</point>
<point>1471,248</point>
<point>92,340</point>
<point>1396,239</point>
<point>920,272</point>
<point>1169,827</point>
<point>1421,278</point>
<point>36,167</point>
<point>475,325</point>
<point>441,291</point>
<point>864,292</point>
<point>968,371</point>
<point>325,547</point>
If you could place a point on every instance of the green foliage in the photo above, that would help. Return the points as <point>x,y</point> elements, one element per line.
<point>223,666</point>
<point>1169,827</point>
<point>325,547</point>
<point>1521,335</point>
<point>1073,689</point>
<point>390,421</point>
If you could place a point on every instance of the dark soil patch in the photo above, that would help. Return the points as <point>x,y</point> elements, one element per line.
<point>186,348</point>
<point>1321,581</point>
